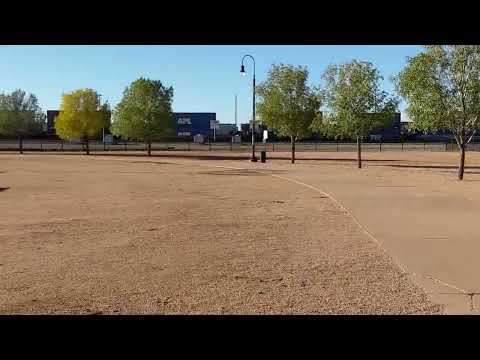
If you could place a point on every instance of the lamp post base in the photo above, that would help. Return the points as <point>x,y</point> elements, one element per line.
<point>253,159</point>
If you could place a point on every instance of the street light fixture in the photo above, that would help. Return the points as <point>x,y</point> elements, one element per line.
<point>242,71</point>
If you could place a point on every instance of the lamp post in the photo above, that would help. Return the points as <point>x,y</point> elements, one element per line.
<point>242,71</point>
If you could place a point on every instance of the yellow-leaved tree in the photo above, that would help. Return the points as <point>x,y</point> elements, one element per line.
<point>82,116</point>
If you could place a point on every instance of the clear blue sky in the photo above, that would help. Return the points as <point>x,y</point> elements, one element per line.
<point>204,78</point>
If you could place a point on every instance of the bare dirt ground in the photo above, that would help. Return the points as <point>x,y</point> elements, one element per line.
<point>176,233</point>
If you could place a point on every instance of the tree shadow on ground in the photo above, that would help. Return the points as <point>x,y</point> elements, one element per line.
<point>237,156</point>
<point>241,172</point>
<point>182,156</point>
<point>245,157</point>
<point>440,168</point>
<point>343,160</point>
<point>153,162</point>
<point>430,166</point>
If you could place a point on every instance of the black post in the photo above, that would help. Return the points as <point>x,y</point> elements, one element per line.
<point>263,156</point>
<point>337,145</point>
<point>62,145</point>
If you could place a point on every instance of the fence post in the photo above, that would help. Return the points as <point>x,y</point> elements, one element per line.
<point>316,148</point>
<point>273,147</point>
<point>209,146</point>
<point>104,146</point>
<point>402,146</point>
<point>188,146</point>
<point>62,145</point>
<point>41,145</point>
<point>380,146</point>
<point>424,145</point>
<point>446,146</point>
<point>337,145</point>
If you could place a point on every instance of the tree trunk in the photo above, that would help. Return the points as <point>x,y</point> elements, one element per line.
<point>462,162</point>
<point>20,144</point>
<point>87,149</point>
<point>149,148</point>
<point>293,150</point>
<point>359,152</point>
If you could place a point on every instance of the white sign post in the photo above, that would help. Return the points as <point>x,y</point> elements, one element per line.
<point>214,125</point>
<point>265,137</point>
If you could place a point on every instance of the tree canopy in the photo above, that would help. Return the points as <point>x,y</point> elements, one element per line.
<point>82,116</point>
<point>145,111</point>
<point>355,102</point>
<point>441,86</point>
<point>20,114</point>
<point>286,102</point>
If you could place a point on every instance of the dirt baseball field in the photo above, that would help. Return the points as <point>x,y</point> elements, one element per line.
<point>187,233</point>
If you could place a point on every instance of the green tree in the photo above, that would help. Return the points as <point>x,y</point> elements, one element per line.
<point>145,112</point>
<point>82,116</point>
<point>20,116</point>
<point>287,104</point>
<point>355,103</point>
<point>441,86</point>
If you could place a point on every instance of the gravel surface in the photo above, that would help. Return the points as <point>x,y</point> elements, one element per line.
<point>132,235</point>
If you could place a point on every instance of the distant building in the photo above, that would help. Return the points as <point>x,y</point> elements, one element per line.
<point>246,128</point>
<point>191,124</point>
<point>226,130</point>
<point>187,124</point>
<point>51,115</point>
<point>440,135</point>
<point>388,133</point>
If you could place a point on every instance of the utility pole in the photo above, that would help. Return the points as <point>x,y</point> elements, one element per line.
<point>236,128</point>
<point>103,128</point>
